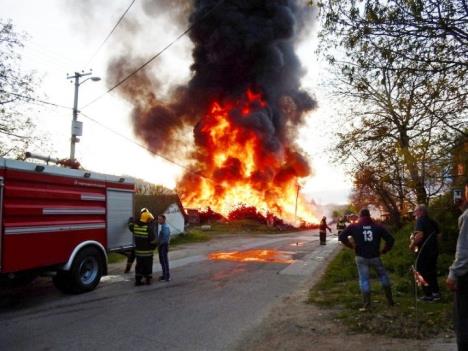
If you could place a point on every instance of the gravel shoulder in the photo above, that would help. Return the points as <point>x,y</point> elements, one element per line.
<point>294,325</point>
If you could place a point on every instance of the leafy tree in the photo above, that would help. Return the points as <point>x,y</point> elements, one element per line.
<point>16,129</point>
<point>398,117</point>
<point>429,35</point>
<point>400,66</point>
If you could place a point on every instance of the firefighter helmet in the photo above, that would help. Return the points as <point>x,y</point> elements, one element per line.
<point>146,216</point>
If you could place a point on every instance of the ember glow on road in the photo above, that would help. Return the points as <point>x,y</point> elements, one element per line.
<point>270,256</point>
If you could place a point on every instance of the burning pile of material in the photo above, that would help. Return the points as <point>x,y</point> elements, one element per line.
<point>244,103</point>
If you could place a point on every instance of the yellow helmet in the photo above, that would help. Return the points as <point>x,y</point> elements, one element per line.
<point>146,216</point>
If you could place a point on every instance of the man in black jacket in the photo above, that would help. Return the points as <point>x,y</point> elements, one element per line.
<point>424,243</point>
<point>366,236</point>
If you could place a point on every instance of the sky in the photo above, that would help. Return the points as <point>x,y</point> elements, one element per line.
<point>63,40</point>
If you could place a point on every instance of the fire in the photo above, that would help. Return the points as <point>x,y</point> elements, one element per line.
<point>238,165</point>
<point>271,256</point>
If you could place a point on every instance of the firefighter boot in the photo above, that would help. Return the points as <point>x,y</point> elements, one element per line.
<point>366,302</point>
<point>148,280</point>
<point>388,295</point>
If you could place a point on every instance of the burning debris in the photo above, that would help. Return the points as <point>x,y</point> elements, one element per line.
<point>243,102</point>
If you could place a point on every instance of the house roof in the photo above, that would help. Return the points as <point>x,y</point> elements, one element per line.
<point>157,204</point>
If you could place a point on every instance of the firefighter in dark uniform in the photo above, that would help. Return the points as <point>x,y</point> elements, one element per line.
<point>145,242</point>
<point>323,230</point>
<point>341,225</point>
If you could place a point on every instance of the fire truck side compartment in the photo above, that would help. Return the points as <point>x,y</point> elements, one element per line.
<point>119,210</point>
<point>48,211</point>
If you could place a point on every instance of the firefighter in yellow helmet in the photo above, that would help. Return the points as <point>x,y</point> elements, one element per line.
<point>144,234</point>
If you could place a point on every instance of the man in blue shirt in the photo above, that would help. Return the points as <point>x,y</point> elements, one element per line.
<point>366,235</point>
<point>163,248</point>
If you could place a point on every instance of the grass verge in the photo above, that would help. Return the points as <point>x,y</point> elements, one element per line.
<point>338,289</point>
<point>191,236</point>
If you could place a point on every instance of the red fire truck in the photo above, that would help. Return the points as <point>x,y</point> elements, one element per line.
<point>62,222</point>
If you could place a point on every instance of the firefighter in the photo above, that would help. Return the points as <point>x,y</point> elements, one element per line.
<point>130,254</point>
<point>323,230</point>
<point>341,225</point>
<point>145,242</point>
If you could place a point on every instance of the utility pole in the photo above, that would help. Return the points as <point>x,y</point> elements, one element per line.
<point>77,126</point>
<point>297,196</point>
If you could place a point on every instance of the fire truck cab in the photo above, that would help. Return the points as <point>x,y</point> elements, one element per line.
<point>61,222</point>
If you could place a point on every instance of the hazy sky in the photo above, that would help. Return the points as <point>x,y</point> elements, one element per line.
<point>64,38</point>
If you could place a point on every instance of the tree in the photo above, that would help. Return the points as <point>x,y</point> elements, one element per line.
<point>410,37</point>
<point>406,115</point>
<point>429,35</point>
<point>16,129</point>
<point>402,74</point>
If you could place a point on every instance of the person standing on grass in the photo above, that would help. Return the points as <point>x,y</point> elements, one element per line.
<point>323,230</point>
<point>424,243</point>
<point>163,248</point>
<point>457,280</point>
<point>366,236</point>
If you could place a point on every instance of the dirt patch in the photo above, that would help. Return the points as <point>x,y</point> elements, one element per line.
<point>294,325</point>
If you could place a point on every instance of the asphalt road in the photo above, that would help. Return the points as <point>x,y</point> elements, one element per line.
<point>208,305</point>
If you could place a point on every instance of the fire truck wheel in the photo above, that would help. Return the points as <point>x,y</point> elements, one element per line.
<point>86,270</point>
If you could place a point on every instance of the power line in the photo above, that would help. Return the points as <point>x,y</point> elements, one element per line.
<point>110,33</point>
<point>188,170</point>
<point>159,53</point>
<point>29,99</point>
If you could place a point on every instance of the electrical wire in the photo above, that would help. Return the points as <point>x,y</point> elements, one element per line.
<point>155,56</point>
<point>110,33</point>
<point>188,170</point>
<point>29,99</point>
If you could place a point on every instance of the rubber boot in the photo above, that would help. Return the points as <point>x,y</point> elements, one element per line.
<point>128,268</point>
<point>366,302</point>
<point>148,280</point>
<point>388,295</point>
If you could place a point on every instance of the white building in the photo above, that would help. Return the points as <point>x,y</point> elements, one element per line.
<point>168,205</point>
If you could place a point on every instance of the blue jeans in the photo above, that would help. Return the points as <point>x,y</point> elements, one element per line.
<point>163,259</point>
<point>363,266</point>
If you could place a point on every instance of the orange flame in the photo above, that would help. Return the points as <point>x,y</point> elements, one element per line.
<point>237,168</point>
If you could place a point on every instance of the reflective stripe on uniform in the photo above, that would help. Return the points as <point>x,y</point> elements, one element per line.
<point>144,252</point>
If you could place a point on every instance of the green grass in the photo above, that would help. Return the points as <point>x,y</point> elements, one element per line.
<point>338,289</point>
<point>192,236</point>
<point>114,257</point>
